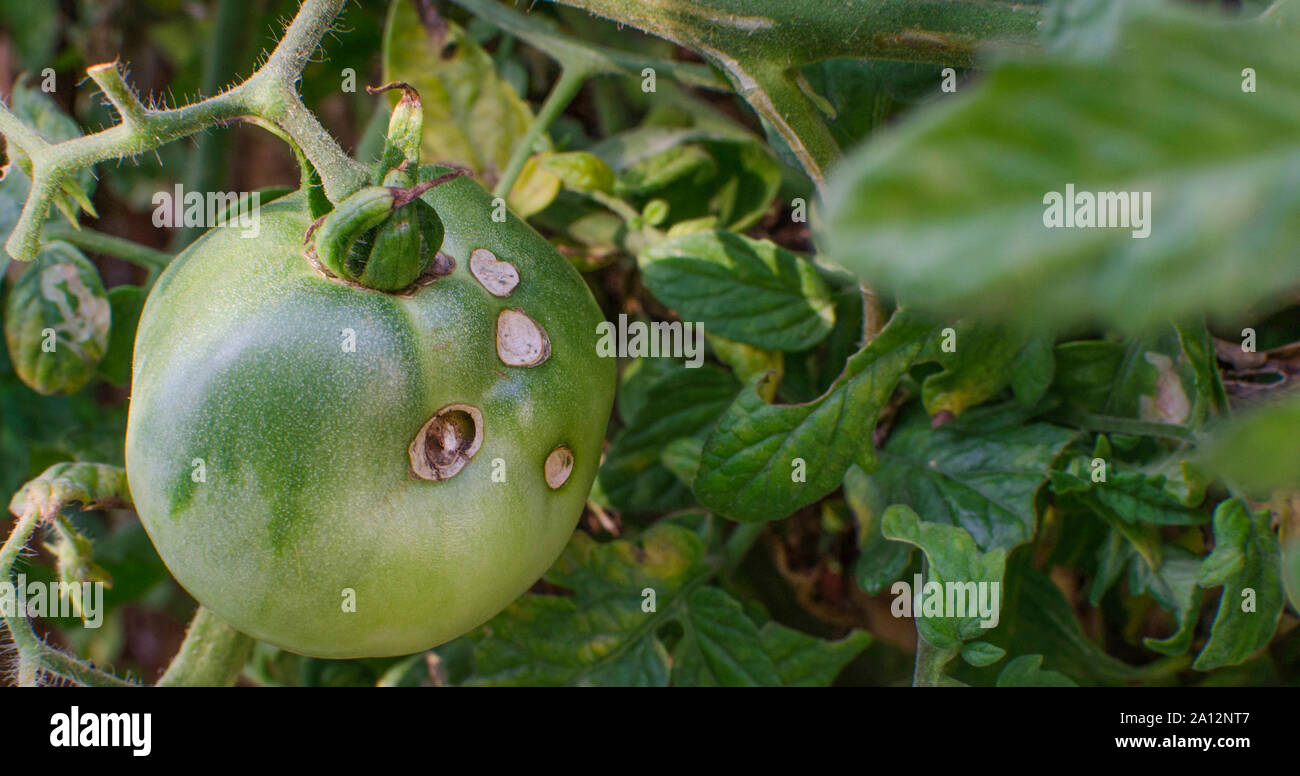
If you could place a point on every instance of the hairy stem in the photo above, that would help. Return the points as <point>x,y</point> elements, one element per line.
<point>34,655</point>
<point>213,654</point>
<point>270,93</point>
<point>930,661</point>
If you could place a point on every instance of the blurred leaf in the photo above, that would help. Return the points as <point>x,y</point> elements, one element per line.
<point>534,189</point>
<point>34,28</point>
<point>763,461</point>
<point>748,290</point>
<point>982,653</point>
<point>1037,618</point>
<point>472,117</point>
<point>1246,562</point>
<point>580,171</point>
<point>948,211</point>
<point>1259,449</point>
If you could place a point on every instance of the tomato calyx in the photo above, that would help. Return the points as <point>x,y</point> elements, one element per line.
<point>384,237</point>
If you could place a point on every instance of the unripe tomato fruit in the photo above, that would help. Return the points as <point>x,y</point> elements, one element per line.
<point>278,418</point>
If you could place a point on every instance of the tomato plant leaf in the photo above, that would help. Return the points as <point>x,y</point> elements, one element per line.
<point>1246,562</point>
<point>763,461</point>
<point>805,661</point>
<point>630,600</point>
<point>880,560</point>
<point>752,291</point>
<point>1259,449</point>
<point>1173,586</point>
<point>986,359</point>
<point>974,473</point>
<point>1131,497</point>
<point>945,214</point>
<point>956,562</point>
<point>1027,671</point>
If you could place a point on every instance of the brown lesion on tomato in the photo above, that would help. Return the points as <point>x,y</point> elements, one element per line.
<point>558,467</point>
<point>497,276</point>
<point>446,443</point>
<point>521,341</point>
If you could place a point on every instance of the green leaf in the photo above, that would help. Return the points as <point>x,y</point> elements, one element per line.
<point>805,661</point>
<point>93,485</point>
<point>948,211</point>
<point>472,117</point>
<point>953,560</point>
<point>679,405</point>
<point>880,560</point>
<point>1086,371</point>
<point>580,171</point>
<point>609,633</point>
<point>697,171</point>
<point>1259,449</point>
<point>1131,497</point>
<point>1037,618</point>
<point>1174,587</point>
<point>1246,561</point>
<point>763,461</point>
<point>748,290</point>
<point>57,320</point>
<point>973,473</point>
<point>987,358</point>
<point>982,653</point>
<point>863,93</point>
<point>1027,671</point>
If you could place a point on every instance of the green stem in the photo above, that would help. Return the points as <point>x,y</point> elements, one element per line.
<point>213,654</point>
<point>594,58</point>
<point>562,93</point>
<point>930,662</point>
<point>739,544</point>
<point>1089,421</point>
<point>205,169</point>
<point>98,242</point>
<point>270,93</point>
<point>35,655</point>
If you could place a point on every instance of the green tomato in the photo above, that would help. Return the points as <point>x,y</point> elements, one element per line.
<point>344,472</point>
